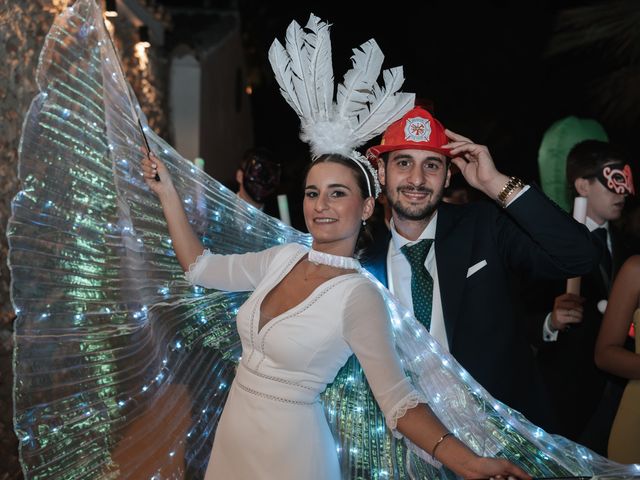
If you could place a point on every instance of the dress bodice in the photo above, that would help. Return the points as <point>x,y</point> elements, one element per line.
<point>305,344</point>
<point>297,353</point>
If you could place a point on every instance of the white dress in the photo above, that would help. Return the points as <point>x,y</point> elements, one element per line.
<point>273,425</point>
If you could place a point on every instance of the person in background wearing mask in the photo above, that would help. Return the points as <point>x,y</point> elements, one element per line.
<point>258,177</point>
<point>564,326</point>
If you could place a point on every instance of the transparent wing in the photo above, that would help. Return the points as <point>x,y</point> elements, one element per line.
<point>121,367</point>
<point>486,425</point>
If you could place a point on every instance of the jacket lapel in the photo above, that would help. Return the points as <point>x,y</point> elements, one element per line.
<point>375,257</point>
<point>454,238</point>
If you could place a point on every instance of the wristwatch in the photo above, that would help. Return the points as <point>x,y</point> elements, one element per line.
<point>512,184</point>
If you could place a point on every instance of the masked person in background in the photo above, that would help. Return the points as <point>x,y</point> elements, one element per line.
<point>258,177</point>
<point>564,326</point>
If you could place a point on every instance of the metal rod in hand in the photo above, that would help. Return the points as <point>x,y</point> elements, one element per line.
<point>131,102</point>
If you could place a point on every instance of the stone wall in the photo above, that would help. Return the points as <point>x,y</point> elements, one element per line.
<point>23,26</point>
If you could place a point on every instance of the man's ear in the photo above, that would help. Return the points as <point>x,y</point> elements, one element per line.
<point>446,182</point>
<point>239,176</point>
<point>382,176</point>
<point>582,186</point>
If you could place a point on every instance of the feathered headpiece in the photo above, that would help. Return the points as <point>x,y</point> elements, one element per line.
<point>362,108</point>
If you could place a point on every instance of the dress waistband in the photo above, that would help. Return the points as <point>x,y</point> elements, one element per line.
<point>274,388</point>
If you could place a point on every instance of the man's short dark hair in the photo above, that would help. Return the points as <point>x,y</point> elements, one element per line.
<point>588,157</point>
<point>384,157</point>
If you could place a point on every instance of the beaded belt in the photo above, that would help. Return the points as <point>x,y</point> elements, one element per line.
<point>274,388</point>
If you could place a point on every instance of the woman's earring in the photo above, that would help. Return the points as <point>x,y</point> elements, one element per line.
<point>364,223</point>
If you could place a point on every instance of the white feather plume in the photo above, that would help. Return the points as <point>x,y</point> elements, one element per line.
<point>385,105</point>
<point>281,64</point>
<point>363,109</point>
<point>330,136</point>
<point>305,91</point>
<point>318,49</point>
<point>355,88</point>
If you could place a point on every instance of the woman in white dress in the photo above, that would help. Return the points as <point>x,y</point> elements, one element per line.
<point>309,311</point>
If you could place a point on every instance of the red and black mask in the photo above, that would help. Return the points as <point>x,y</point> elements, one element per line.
<point>261,178</point>
<point>616,177</point>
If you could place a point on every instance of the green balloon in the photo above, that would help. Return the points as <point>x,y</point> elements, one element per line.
<point>556,143</point>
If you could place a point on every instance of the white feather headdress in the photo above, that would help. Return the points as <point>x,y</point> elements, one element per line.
<point>362,108</point>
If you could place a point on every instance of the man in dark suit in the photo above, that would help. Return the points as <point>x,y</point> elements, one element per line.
<point>458,285</point>
<point>565,325</point>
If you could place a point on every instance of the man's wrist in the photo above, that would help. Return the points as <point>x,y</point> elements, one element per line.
<point>493,187</point>
<point>510,188</point>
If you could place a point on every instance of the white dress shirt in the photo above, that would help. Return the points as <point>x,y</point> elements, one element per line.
<point>399,277</point>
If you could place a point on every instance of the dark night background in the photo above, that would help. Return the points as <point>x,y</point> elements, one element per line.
<point>498,72</point>
<point>488,68</point>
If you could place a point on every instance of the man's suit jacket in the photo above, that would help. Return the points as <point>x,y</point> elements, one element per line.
<point>532,237</point>
<point>575,384</point>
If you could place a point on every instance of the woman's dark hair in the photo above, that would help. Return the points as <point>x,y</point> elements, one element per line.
<point>364,237</point>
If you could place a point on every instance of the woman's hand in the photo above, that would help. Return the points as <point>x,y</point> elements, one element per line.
<point>152,166</point>
<point>494,468</point>
<point>185,242</point>
<point>425,430</point>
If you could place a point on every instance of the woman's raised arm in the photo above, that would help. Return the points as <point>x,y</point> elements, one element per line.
<point>185,243</point>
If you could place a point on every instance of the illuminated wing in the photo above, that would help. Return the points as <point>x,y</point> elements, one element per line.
<point>121,367</point>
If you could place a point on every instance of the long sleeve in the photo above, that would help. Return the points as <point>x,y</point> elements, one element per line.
<point>547,242</point>
<point>237,272</point>
<point>367,330</point>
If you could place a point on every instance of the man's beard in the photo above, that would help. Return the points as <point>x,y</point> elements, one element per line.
<point>416,213</point>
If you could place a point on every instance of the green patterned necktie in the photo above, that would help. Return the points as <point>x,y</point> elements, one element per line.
<point>421,281</point>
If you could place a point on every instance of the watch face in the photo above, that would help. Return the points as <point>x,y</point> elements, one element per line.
<point>261,178</point>
<point>617,178</point>
<point>509,187</point>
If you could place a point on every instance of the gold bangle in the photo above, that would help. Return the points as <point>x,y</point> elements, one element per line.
<point>508,189</point>
<point>435,447</point>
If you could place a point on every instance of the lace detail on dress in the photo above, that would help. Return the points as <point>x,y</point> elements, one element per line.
<point>407,403</point>
<point>400,409</point>
<point>188,275</point>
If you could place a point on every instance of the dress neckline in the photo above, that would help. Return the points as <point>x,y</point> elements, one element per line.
<point>303,303</point>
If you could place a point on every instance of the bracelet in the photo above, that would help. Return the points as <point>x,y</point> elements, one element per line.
<point>435,447</point>
<point>508,189</point>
